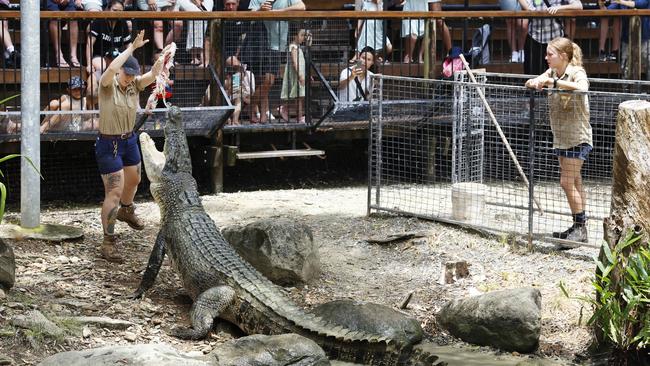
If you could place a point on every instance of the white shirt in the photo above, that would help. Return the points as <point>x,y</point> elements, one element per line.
<point>351,92</point>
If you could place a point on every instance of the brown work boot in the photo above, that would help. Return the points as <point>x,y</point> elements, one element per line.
<point>109,249</point>
<point>127,214</point>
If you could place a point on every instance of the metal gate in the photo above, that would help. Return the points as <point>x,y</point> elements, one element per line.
<point>434,152</point>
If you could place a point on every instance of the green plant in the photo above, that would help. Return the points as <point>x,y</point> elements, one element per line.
<point>622,302</point>
<point>3,188</point>
<point>8,99</point>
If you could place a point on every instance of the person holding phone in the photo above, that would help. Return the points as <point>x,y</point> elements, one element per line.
<point>355,81</point>
<point>271,54</point>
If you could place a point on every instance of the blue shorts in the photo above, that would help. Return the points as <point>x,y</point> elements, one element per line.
<point>109,160</point>
<point>615,6</point>
<point>509,5</point>
<point>52,6</point>
<point>577,152</point>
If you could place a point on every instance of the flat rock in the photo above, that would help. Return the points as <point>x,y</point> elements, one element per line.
<point>35,320</point>
<point>134,355</point>
<point>49,232</point>
<point>371,318</point>
<point>508,319</point>
<point>277,350</point>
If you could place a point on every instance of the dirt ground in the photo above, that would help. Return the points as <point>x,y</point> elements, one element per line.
<point>63,279</point>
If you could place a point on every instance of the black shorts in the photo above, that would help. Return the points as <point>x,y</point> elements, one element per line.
<point>265,62</point>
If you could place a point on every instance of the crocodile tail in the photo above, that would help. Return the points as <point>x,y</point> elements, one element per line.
<point>410,356</point>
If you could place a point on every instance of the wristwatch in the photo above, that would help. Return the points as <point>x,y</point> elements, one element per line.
<point>555,79</point>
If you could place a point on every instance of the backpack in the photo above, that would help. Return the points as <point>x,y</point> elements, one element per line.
<point>479,54</point>
<point>452,63</point>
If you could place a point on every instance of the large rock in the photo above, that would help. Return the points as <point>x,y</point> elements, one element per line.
<point>278,350</point>
<point>281,249</point>
<point>7,266</point>
<point>508,319</point>
<point>136,355</point>
<point>371,318</point>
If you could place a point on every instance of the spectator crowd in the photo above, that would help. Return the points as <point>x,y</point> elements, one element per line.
<point>256,53</point>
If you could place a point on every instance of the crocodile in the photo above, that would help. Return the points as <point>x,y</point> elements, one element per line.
<point>224,285</point>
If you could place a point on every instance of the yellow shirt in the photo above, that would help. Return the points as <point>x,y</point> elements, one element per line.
<point>117,107</point>
<point>569,111</point>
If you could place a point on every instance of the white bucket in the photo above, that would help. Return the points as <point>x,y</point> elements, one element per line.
<point>467,201</point>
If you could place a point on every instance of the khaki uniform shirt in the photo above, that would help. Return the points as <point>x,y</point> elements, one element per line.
<point>117,107</point>
<point>569,111</point>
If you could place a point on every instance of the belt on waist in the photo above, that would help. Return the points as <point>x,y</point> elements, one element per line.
<point>122,136</point>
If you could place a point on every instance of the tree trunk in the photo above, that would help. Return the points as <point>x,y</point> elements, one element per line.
<point>630,206</point>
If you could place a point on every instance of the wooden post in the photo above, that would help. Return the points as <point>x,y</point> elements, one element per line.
<point>429,45</point>
<point>630,208</point>
<point>634,48</point>
<point>631,171</point>
<point>216,147</point>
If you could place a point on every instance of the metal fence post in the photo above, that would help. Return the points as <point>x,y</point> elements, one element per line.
<point>30,145</point>
<point>307,66</point>
<point>374,142</point>
<point>531,166</point>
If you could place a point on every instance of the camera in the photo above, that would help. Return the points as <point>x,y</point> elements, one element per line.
<point>112,53</point>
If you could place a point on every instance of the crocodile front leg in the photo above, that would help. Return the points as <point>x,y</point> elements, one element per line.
<point>207,306</point>
<point>153,266</point>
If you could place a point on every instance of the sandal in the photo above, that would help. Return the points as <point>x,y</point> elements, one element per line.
<point>255,118</point>
<point>283,113</point>
<point>75,63</point>
<point>62,63</point>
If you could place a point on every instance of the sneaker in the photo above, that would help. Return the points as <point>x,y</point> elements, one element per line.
<point>602,56</point>
<point>579,234</point>
<point>514,58</point>
<point>127,214</point>
<point>13,60</point>
<point>613,56</point>
<point>521,56</point>
<point>564,234</point>
<point>109,250</point>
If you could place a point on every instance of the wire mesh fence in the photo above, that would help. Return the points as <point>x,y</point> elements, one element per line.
<point>436,152</point>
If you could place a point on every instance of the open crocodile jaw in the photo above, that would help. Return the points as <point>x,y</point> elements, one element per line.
<point>154,160</point>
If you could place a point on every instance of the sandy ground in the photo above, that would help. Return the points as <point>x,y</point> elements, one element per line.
<point>68,278</point>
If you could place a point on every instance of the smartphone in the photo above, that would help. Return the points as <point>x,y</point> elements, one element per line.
<point>359,64</point>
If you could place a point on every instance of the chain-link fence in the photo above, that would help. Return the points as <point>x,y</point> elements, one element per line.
<point>436,152</point>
